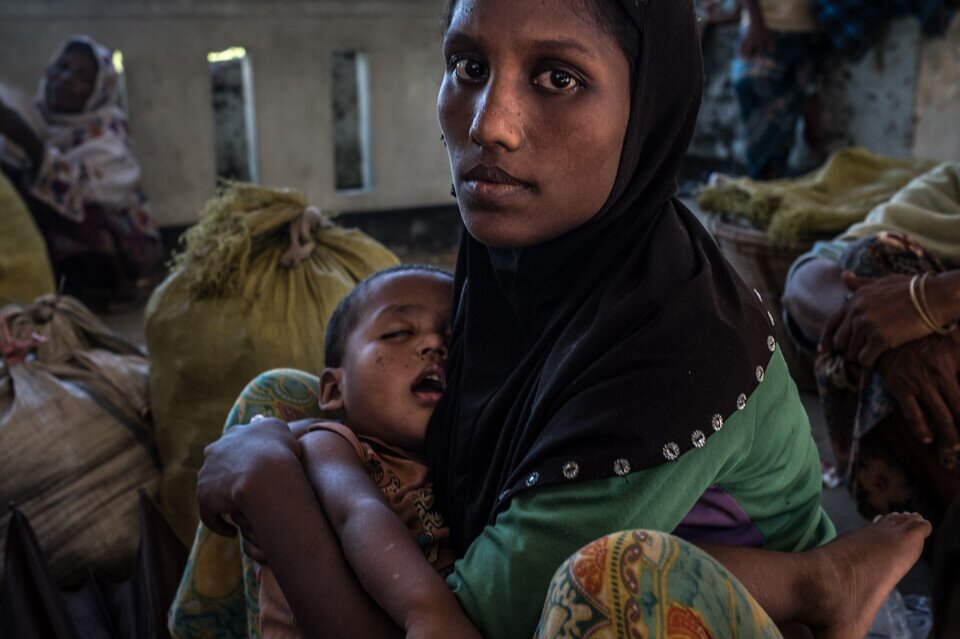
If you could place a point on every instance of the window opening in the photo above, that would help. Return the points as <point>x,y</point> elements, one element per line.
<point>351,122</point>
<point>231,80</point>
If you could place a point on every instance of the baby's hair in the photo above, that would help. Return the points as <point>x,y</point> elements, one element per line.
<point>345,315</point>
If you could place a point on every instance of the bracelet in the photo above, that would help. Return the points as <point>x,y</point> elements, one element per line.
<point>944,330</point>
<point>920,304</point>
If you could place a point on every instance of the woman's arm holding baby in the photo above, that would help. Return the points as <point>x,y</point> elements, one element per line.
<point>379,547</point>
<point>253,473</point>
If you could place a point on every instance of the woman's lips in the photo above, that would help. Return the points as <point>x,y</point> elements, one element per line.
<point>492,184</point>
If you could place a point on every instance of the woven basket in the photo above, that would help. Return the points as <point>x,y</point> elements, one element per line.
<point>764,267</point>
<point>761,265</point>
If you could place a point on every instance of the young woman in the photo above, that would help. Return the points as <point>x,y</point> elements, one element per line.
<point>608,370</point>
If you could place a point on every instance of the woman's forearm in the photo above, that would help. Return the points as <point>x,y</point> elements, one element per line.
<point>943,295</point>
<point>755,13</point>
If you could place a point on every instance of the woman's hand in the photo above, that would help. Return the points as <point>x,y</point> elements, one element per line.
<point>922,376</point>
<point>237,471</point>
<point>878,316</point>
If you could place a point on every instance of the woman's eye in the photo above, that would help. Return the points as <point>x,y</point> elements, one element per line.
<point>397,334</point>
<point>469,69</point>
<point>557,80</point>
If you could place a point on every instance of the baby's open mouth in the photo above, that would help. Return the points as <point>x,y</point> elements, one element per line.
<point>431,382</point>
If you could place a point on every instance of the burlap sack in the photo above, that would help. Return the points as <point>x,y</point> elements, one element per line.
<point>230,311</point>
<point>76,440</point>
<point>25,271</point>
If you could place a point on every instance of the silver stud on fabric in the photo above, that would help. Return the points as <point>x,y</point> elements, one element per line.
<point>770,317</point>
<point>772,343</point>
<point>698,438</point>
<point>717,422</point>
<point>759,373</point>
<point>571,469</point>
<point>533,478</point>
<point>757,293</point>
<point>621,467</point>
<point>671,451</point>
<point>741,401</point>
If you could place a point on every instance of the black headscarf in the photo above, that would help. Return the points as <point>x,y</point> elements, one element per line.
<point>613,348</point>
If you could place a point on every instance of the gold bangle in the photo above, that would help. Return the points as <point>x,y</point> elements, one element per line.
<point>920,308</point>
<point>942,330</point>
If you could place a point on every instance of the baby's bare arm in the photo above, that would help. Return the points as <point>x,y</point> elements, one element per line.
<point>377,544</point>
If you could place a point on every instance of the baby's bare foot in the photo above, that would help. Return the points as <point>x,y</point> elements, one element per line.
<point>860,569</point>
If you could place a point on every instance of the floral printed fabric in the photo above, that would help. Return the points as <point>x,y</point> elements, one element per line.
<point>219,591</point>
<point>649,585</point>
<point>854,402</point>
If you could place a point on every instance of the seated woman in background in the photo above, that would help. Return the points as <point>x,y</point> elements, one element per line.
<point>81,178</point>
<point>880,304</point>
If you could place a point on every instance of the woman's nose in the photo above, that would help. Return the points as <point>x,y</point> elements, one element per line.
<point>497,119</point>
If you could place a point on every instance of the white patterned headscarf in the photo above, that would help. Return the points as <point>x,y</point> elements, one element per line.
<point>102,102</point>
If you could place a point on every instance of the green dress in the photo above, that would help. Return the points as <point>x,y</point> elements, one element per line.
<point>566,557</point>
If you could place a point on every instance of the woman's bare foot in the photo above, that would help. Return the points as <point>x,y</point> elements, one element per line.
<point>857,571</point>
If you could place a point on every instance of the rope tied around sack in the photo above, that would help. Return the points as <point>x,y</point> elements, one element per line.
<point>235,225</point>
<point>15,351</point>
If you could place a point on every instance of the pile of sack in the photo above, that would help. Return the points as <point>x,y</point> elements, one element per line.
<point>252,290</point>
<point>76,439</point>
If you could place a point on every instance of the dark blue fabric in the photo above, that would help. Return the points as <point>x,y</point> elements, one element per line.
<point>853,26</point>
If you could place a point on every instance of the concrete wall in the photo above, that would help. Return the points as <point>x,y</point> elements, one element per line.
<point>289,42</point>
<point>938,97</point>
<point>902,99</point>
<point>870,102</point>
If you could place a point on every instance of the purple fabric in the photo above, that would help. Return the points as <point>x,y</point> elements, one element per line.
<point>717,518</point>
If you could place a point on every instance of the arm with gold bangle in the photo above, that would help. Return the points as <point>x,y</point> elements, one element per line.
<point>938,300</point>
<point>879,315</point>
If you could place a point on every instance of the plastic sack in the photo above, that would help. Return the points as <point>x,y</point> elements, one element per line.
<point>891,619</point>
<point>25,271</point>
<point>76,442</point>
<point>230,310</point>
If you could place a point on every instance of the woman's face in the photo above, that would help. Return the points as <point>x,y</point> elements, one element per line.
<point>533,107</point>
<point>70,80</point>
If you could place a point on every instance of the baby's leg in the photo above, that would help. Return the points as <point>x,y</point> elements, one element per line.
<point>836,590</point>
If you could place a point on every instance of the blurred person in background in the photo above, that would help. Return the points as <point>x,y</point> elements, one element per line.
<point>77,170</point>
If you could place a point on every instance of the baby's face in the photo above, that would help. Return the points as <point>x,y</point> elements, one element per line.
<point>392,373</point>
